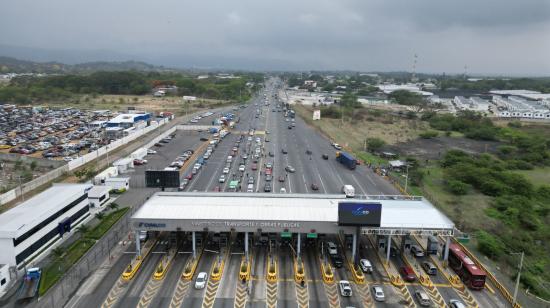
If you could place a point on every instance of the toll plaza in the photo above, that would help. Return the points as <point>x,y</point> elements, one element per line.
<point>268,241</point>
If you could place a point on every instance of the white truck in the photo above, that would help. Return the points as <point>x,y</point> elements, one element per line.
<point>139,153</point>
<point>349,191</point>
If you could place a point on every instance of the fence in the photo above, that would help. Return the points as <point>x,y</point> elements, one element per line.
<point>46,178</point>
<point>69,283</point>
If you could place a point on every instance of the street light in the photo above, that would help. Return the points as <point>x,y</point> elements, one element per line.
<point>514,300</point>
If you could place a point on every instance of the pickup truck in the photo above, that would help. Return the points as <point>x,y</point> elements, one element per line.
<point>29,285</point>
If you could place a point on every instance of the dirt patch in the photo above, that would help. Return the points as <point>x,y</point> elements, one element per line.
<point>436,147</point>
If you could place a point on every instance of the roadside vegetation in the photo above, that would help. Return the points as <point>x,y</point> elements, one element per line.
<point>62,258</point>
<point>31,89</point>
<point>500,196</point>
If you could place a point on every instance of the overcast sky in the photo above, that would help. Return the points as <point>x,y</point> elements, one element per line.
<point>489,36</point>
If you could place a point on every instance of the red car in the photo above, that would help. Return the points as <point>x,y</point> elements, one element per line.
<point>139,162</point>
<point>189,176</point>
<point>407,273</point>
<point>217,189</point>
<point>268,171</point>
<point>254,167</point>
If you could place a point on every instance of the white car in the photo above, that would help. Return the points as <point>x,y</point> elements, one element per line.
<point>222,179</point>
<point>378,293</point>
<point>337,146</point>
<point>332,250</point>
<point>200,282</point>
<point>225,170</point>
<point>283,190</point>
<point>365,265</point>
<point>345,288</point>
<point>149,151</point>
<point>242,168</point>
<point>417,251</point>
<point>455,303</point>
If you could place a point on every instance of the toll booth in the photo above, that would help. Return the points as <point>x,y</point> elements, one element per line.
<point>381,242</point>
<point>286,238</point>
<point>173,239</point>
<point>348,241</point>
<point>311,239</point>
<point>406,243</point>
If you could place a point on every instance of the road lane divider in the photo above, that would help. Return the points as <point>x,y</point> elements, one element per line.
<point>299,271</point>
<point>191,266</point>
<point>136,262</point>
<point>271,274</point>
<point>244,271</point>
<point>164,264</point>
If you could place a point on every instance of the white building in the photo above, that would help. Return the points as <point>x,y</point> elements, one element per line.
<point>4,278</point>
<point>99,196</point>
<point>473,103</point>
<point>124,164</point>
<point>107,173</point>
<point>32,227</point>
<point>118,183</point>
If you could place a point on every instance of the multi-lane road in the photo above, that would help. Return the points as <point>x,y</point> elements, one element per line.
<point>280,143</point>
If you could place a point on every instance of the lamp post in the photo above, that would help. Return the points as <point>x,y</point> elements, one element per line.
<point>407,179</point>
<point>514,300</point>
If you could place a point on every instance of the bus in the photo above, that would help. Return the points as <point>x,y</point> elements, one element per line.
<point>471,275</point>
<point>233,185</point>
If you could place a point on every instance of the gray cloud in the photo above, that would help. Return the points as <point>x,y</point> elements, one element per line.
<point>490,36</point>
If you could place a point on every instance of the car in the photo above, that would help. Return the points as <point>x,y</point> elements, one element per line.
<point>245,156</point>
<point>184,182</point>
<point>268,171</point>
<point>267,132</point>
<point>222,178</point>
<point>267,187</point>
<point>290,127</point>
<point>455,303</point>
<point>225,170</point>
<point>181,188</point>
<point>271,154</point>
<point>308,152</point>
<point>268,178</point>
<point>283,190</point>
<point>337,260</point>
<point>66,158</point>
<point>378,294</point>
<point>345,288</point>
<point>429,267</point>
<point>293,124</point>
<point>200,281</point>
<point>290,169</point>
<point>417,251</point>
<point>281,178</point>
<point>407,273</point>
<point>269,165</point>
<point>325,156</point>
<point>284,151</point>
<point>331,248</point>
<point>337,146</point>
<point>254,166</point>
<point>139,162</point>
<point>159,145</point>
<point>149,151</point>
<point>365,265</point>
<point>217,189</point>
<point>242,168</point>
<point>203,139</point>
<point>164,140</point>
<point>189,176</point>
<point>314,186</point>
<point>423,298</point>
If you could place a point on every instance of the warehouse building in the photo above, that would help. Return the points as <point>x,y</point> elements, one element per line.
<point>127,120</point>
<point>31,228</point>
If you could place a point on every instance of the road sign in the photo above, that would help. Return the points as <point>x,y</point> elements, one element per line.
<point>286,234</point>
<point>311,235</point>
<point>316,114</point>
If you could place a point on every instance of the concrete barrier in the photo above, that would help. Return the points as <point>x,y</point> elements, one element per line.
<point>164,264</point>
<point>299,271</point>
<point>244,271</point>
<point>271,274</point>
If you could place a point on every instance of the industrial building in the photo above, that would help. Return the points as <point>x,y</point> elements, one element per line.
<point>127,120</point>
<point>31,228</point>
<point>472,103</point>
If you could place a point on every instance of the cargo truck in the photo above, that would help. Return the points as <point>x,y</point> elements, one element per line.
<point>346,160</point>
<point>29,285</point>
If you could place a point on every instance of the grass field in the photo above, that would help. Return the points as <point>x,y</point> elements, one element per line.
<point>140,102</point>
<point>539,176</point>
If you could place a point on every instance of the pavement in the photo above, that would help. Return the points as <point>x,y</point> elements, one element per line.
<point>328,175</point>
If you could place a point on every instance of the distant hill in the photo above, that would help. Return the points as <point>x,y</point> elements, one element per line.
<point>13,65</point>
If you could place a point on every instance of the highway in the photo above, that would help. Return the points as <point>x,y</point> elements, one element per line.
<point>264,131</point>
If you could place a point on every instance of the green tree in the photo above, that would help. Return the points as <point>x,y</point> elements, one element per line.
<point>99,216</point>
<point>375,144</point>
<point>33,165</point>
<point>489,245</point>
<point>83,229</point>
<point>349,100</point>
<point>457,187</point>
<point>58,252</point>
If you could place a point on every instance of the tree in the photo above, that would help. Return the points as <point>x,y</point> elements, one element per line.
<point>375,144</point>
<point>58,252</point>
<point>113,205</point>
<point>99,215</point>
<point>33,165</point>
<point>83,229</point>
<point>349,100</point>
<point>489,245</point>
<point>457,187</point>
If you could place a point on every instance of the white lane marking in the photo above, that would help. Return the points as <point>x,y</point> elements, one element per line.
<point>360,186</point>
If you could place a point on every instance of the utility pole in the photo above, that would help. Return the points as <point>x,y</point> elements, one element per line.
<point>407,179</point>
<point>517,280</point>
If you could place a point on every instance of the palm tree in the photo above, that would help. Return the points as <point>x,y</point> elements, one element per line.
<point>99,215</point>
<point>83,229</point>
<point>113,206</point>
<point>58,251</point>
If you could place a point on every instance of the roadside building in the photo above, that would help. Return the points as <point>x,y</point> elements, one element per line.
<point>33,227</point>
<point>105,174</point>
<point>124,164</point>
<point>98,196</point>
<point>127,120</point>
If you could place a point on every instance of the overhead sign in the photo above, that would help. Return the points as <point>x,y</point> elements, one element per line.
<point>316,114</point>
<point>359,214</point>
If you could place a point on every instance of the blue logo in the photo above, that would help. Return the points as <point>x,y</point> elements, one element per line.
<point>360,211</point>
<point>151,225</point>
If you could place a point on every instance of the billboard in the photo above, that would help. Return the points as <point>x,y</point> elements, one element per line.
<point>366,214</point>
<point>162,178</point>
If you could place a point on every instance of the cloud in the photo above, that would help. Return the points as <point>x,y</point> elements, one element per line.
<point>490,36</point>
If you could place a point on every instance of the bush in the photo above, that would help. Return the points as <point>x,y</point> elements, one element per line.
<point>489,245</point>
<point>375,144</point>
<point>458,187</point>
<point>429,134</point>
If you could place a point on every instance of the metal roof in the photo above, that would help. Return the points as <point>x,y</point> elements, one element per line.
<point>397,211</point>
<point>30,213</point>
<point>98,191</point>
